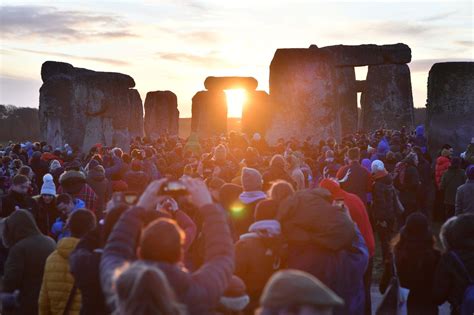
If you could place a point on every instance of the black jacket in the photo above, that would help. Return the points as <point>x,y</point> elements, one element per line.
<point>383,197</point>
<point>13,199</point>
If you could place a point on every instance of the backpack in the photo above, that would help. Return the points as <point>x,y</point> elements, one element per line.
<point>467,304</point>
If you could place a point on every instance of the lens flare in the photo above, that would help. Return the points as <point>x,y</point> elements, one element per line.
<point>235,102</point>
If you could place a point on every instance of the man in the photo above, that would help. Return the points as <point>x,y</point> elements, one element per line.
<point>161,244</point>
<point>293,292</point>
<point>18,197</point>
<point>65,205</point>
<point>26,259</point>
<point>465,194</point>
<point>74,183</point>
<point>354,177</point>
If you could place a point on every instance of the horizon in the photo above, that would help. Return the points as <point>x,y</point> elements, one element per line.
<point>209,38</point>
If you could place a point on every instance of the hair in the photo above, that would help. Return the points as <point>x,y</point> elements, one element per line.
<point>280,190</point>
<point>25,170</point>
<point>80,222</point>
<point>20,180</point>
<point>162,241</point>
<point>117,152</point>
<point>353,154</point>
<point>458,233</point>
<point>64,198</point>
<point>278,161</point>
<point>143,289</point>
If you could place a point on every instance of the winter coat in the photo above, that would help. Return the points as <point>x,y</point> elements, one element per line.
<point>465,198</point>
<point>40,168</point>
<point>199,291</point>
<point>383,193</point>
<point>13,199</point>
<point>24,267</point>
<point>450,181</point>
<point>74,183</point>
<point>408,187</point>
<point>137,181</point>
<point>358,182</point>
<point>450,281</point>
<point>100,185</point>
<point>58,281</point>
<point>116,167</point>
<point>442,165</point>
<point>46,215</point>
<point>258,254</point>
<point>85,267</point>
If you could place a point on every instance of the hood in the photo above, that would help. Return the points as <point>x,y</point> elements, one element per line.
<point>66,245</point>
<point>383,147</point>
<point>18,226</point>
<point>420,131</point>
<point>72,181</point>
<point>97,173</point>
<point>333,187</point>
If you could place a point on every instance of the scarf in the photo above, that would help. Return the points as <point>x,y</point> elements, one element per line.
<point>248,197</point>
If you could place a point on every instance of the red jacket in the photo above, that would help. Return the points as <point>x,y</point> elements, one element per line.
<point>357,211</point>
<point>442,165</point>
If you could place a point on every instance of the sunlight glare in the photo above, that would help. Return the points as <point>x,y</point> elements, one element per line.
<point>235,102</point>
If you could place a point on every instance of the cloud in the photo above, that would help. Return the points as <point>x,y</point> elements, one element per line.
<point>209,60</point>
<point>400,28</point>
<point>51,23</point>
<point>465,43</point>
<point>424,65</point>
<point>114,62</point>
<point>439,16</point>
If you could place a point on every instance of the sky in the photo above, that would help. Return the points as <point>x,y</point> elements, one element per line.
<point>175,44</point>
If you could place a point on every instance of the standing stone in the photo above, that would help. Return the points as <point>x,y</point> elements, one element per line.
<point>256,113</point>
<point>161,114</point>
<point>366,55</point>
<point>387,100</point>
<point>209,113</point>
<point>303,95</point>
<point>450,105</point>
<point>83,107</point>
<point>346,90</point>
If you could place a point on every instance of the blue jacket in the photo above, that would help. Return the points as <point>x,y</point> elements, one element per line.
<point>342,270</point>
<point>57,229</point>
<point>200,291</point>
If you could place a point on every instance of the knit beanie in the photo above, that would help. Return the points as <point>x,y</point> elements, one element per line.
<point>251,179</point>
<point>377,166</point>
<point>48,187</point>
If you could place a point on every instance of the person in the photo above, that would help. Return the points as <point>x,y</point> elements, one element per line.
<point>251,195</point>
<point>99,183</point>
<point>450,181</point>
<point>443,162</point>
<point>420,139</point>
<point>276,171</point>
<point>354,177</point>
<point>160,244</point>
<point>144,289</point>
<point>468,155</point>
<point>329,167</point>
<point>74,182</point>
<point>456,265</point>
<point>359,215</point>
<point>407,181</point>
<point>416,259</point>
<point>465,194</point>
<point>327,244</point>
<point>426,189</point>
<point>259,253</point>
<point>59,294</point>
<point>136,178</point>
<point>24,266</point>
<point>18,197</point>
<point>297,292</point>
<point>280,190</point>
<point>47,212</point>
<point>383,206</point>
<point>66,205</point>
<point>295,172</point>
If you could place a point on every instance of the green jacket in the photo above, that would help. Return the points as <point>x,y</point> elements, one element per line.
<point>450,181</point>
<point>26,259</point>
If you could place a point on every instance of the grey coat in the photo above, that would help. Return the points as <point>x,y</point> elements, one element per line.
<point>465,198</point>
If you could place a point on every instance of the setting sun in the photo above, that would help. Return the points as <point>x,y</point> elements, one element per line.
<point>235,102</point>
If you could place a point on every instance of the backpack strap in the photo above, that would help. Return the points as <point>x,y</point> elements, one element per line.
<point>460,263</point>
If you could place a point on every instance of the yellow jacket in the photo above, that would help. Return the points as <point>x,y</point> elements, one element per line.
<point>58,281</point>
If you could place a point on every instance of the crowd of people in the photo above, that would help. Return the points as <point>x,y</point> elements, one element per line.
<point>233,225</point>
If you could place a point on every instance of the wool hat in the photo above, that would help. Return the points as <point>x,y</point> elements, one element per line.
<point>251,179</point>
<point>377,166</point>
<point>48,188</point>
<point>470,172</point>
<point>55,164</point>
<point>296,288</point>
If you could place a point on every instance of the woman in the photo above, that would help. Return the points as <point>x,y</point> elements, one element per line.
<point>296,173</point>
<point>416,259</point>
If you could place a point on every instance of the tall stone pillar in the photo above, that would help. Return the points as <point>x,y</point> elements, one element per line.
<point>209,113</point>
<point>161,114</point>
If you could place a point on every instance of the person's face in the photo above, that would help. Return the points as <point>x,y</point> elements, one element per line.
<point>65,208</point>
<point>22,188</point>
<point>47,199</point>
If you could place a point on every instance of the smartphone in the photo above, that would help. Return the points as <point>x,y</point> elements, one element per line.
<point>173,188</point>
<point>128,197</point>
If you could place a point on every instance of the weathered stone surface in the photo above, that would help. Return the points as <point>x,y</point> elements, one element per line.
<point>388,98</point>
<point>82,107</point>
<point>19,124</point>
<point>450,105</point>
<point>256,113</point>
<point>209,113</point>
<point>161,114</point>
<point>365,55</point>
<point>303,95</point>
<point>346,107</point>
<point>228,83</point>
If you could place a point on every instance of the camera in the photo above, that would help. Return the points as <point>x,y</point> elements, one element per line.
<point>173,188</point>
<point>127,197</point>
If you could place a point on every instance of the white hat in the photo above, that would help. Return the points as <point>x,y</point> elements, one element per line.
<point>256,136</point>
<point>48,188</point>
<point>377,166</point>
